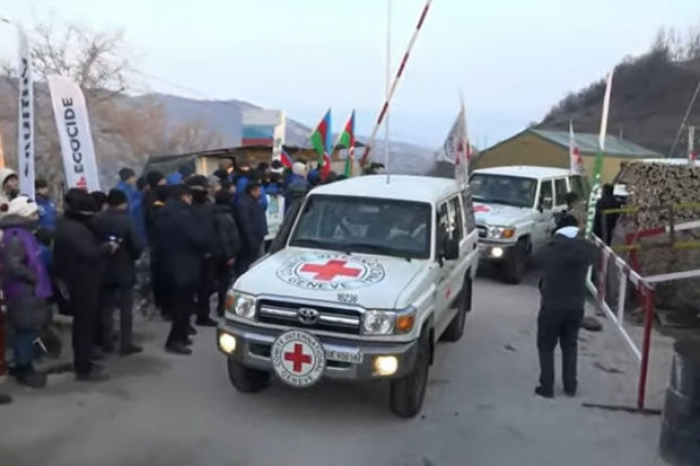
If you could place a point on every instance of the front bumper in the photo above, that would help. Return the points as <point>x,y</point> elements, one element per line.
<point>494,252</point>
<point>253,345</point>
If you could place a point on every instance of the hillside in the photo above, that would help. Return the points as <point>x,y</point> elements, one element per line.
<point>649,97</point>
<point>225,118</point>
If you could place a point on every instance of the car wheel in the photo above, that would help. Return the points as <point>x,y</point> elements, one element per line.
<point>407,393</point>
<point>455,330</point>
<point>246,380</point>
<point>514,268</point>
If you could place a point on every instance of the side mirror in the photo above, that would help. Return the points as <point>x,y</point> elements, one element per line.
<point>451,251</point>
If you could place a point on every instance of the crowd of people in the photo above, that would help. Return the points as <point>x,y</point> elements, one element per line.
<point>196,233</point>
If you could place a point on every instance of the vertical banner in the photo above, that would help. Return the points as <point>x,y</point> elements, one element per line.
<point>2,153</point>
<point>25,123</point>
<point>70,111</point>
<point>278,138</point>
<point>598,167</point>
<point>575,160</point>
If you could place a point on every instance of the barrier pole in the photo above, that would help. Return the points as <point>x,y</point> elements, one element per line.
<point>649,295</point>
<point>621,296</point>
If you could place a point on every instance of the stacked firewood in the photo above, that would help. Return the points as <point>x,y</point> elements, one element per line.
<point>658,186</point>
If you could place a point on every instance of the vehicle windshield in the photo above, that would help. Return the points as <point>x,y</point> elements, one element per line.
<point>365,225</point>
<point>502,189</point>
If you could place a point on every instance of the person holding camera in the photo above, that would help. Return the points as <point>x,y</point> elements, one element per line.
<point>117,290</point>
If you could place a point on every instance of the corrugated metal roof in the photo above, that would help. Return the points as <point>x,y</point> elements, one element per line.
<point>588,144</point>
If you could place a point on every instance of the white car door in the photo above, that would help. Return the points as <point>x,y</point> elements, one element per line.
<point>443,286</point>
<point>544,216</point>
<point>561,189</point>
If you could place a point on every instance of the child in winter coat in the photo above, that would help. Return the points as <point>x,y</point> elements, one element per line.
<point>26,285</point>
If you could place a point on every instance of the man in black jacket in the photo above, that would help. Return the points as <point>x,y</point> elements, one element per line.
<point>230,243</point>
<point>203,212</point>
<point>181,246</point>
<point>79,263</point>
<point>565,264</point>
<point>606,201</point>
<point>120,276</point>
<point>250,217</point>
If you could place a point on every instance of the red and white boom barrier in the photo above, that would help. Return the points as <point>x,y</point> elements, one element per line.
<point>395,83</point>
<point>645,290</point>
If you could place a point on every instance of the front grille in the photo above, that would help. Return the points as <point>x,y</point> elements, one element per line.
<point>329,319</point>
<point>483,232</point>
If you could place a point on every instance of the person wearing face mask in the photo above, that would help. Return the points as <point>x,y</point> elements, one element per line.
<point>10,188</point>
<point>26,286</point>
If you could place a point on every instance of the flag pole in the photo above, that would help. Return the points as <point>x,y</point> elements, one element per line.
<point>598,167</point>
<point>387,87</point>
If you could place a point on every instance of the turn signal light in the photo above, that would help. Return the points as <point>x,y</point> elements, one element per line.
<point>508,233</point>
<point>230,301</point>
<point>404,323</point>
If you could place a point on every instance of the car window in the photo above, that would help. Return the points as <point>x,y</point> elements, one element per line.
<point>456,220</point>
<point>560,190</point>
<point>579,186</point>
<point>546,195</point>
<point>503,189</point>
<point>468,207</point>
<point>355,224</point>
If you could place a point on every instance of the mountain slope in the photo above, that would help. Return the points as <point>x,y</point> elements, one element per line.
<point>649,97</point>
<point>225,117</point>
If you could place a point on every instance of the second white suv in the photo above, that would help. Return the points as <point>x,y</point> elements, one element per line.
<point>515,210</point>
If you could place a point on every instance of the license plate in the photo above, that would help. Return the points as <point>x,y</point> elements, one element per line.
<point>354,357</point>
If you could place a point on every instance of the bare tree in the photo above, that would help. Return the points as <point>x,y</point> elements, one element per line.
<point>125,132</point>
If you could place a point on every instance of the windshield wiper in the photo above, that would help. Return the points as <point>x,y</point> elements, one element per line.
<point>311,242</point>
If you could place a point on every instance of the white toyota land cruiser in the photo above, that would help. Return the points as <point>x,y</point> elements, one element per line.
<point>360,284</point>
<point>515,211</point>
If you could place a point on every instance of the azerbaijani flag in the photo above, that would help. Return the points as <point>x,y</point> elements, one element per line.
<point>321,140</point>
<point>347,140</point>
<point>285,159</point>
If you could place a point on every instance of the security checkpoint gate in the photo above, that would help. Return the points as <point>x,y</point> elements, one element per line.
<point>625,275</point>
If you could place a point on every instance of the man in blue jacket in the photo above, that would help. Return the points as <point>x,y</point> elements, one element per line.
<point>47,208</point>
<point>127,185</point>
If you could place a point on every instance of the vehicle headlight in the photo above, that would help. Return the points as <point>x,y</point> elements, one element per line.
<point>378,322</point>
<point>501,232</point>
<point>243,305</point>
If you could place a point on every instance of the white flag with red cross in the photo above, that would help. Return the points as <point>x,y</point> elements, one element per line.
<point>574,153</point>
<point>456,149</point>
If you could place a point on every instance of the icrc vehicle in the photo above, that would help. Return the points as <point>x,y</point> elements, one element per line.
<point>515,211</point>
<point>360,284</point>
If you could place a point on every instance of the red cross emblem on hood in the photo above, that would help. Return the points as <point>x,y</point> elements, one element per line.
<point>331,269</point>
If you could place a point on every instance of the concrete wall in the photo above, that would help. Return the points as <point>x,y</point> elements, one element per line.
<point>532,150</point>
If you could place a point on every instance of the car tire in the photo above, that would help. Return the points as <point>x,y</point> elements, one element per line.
<point>455,330</point>
<point>514,268</point>
<point>247,380</point>
<point>408,392</point>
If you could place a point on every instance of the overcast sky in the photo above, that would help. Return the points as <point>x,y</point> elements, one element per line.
<point>512,59</point>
